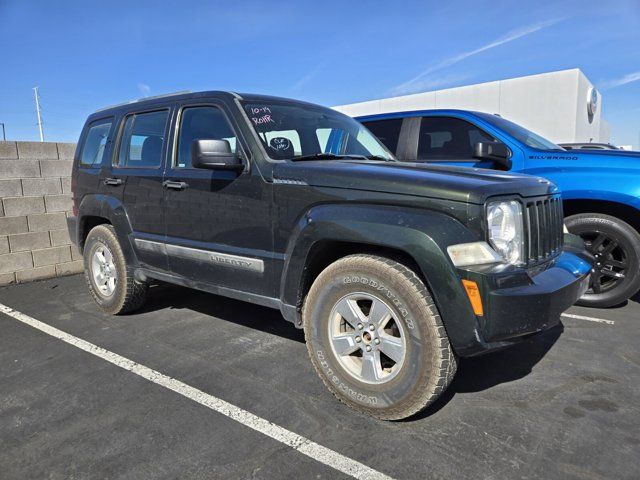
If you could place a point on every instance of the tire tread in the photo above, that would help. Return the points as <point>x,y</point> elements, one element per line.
<point>617,295</point>
<point>135,293</point>
<point>432,386</point>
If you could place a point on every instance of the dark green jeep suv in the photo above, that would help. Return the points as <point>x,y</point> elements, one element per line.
<point>393,270</point>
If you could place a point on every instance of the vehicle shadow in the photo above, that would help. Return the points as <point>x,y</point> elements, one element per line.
<point>486,371</point>
<point>164,296</point>
<point>474,374</point>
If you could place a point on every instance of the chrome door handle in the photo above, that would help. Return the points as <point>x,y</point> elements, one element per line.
<point>113,181</point>
<point>175,185</point>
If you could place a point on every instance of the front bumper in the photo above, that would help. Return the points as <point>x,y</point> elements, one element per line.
<point>520,302</point>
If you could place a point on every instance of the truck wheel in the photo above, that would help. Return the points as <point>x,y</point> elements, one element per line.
<point>375,337</point>
<point>616,248</point>
<point>108,276</point>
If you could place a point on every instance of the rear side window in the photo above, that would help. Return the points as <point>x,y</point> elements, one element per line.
<point>142,140</point>
<point>447,138</point>
<point>387,131</point>
<point>95,143</point>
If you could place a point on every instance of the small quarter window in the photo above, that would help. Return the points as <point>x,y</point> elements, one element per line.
<point>143,140</point>
<point>95,143</point>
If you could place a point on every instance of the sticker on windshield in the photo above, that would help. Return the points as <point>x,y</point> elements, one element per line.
<point>280,144</point>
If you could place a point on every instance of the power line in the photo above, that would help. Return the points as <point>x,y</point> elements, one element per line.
<point>38,112</point>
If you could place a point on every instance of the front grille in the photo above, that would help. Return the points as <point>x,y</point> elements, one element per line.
<point>543,227</point>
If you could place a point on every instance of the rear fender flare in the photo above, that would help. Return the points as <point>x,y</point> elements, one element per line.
<point>112,209</point>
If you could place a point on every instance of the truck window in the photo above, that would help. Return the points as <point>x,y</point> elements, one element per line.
<point>95,142</point>
<point>387,131</point>
<point>447,138</point>
<point>520,133</point>
<point>204,123</point>
<point>142,140</point>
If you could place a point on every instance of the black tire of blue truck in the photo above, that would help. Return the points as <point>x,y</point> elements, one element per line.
<point>588,225</point>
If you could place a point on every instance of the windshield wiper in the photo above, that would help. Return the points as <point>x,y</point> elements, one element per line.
<point>333,156</point>
<point>326,156</point>
<point>380,157</point>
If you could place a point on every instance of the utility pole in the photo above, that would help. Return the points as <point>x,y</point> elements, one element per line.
<point>35,92</point>
<point>4,136</point>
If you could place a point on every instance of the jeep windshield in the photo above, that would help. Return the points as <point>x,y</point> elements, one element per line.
<point>290,131</point>
<point>521,134</point>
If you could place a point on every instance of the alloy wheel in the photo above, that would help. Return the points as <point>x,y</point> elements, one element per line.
<point>103,270</point>
<point>366,338</point>
<point>611,261</point>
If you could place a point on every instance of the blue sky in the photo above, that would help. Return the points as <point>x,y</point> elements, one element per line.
<point>86,54</point>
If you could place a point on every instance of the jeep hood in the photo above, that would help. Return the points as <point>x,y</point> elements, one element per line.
<point>461,184</point>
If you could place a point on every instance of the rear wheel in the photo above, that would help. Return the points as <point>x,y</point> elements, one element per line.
<point>375,337</point>
<point>615,246</point>
<point>110,279</point>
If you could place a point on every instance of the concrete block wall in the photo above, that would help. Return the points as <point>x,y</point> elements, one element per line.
<point>35,198</point>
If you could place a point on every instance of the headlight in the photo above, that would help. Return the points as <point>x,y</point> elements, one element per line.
<point>506,235</point>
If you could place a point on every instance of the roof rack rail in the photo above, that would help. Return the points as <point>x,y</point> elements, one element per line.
<point>181,92</point>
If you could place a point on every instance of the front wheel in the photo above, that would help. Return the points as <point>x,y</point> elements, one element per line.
<point>615,246</point>
<point>375,337</point>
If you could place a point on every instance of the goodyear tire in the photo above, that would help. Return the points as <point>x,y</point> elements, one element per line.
<point>375,337</point>
<point>107,274</point>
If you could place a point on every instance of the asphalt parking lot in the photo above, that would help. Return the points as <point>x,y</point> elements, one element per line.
<point>561,405</point>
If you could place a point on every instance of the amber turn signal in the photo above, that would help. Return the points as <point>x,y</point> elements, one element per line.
<point>473,292</point>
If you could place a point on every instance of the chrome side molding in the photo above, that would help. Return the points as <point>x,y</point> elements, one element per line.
<point>223,259</point>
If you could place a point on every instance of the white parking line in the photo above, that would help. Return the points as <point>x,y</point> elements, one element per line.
<point>297,442</point>
<point>589,319</point>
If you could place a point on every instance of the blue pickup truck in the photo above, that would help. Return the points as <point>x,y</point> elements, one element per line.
<point>600,189</point>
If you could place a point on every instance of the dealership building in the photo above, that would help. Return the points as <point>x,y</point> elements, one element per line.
<point>562,106</point>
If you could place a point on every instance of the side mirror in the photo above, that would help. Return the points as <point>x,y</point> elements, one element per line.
<point>215,155</point>
<point>497,152</point>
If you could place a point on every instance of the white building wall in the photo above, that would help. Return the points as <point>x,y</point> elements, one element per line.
<point>605,132</point>
<point>545,104</point>
<point>484,97</point>
<point>425,101</point>
<point>553,105</point>
<point>587,129</point>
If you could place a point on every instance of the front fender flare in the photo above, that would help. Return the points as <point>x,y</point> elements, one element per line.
<point>421,234</point>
